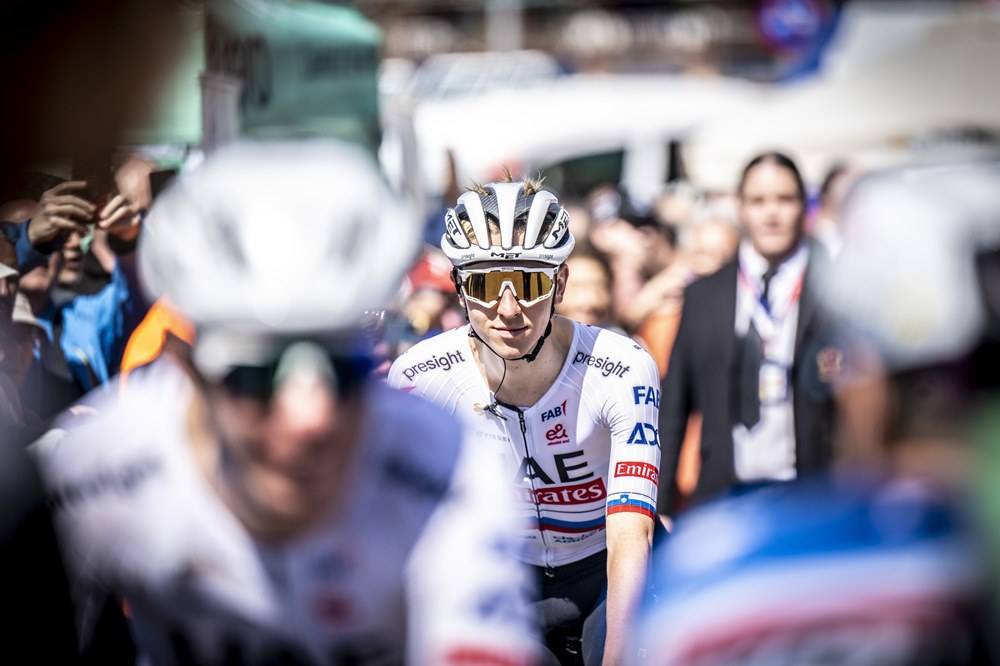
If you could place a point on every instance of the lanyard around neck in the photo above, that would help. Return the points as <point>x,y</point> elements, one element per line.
<point>770,315</point>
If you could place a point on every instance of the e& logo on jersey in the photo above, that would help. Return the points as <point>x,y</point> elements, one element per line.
<point>644,433</point>
<point>646,395</point>
<point>557,435</point>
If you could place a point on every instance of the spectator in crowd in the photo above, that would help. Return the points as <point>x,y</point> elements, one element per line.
<point>754,355</point>
<point>47,387</point>
<point>588,289</point>
<point>580,222</point>
<point>637,244</point>
<point>654,313</point>
<point>9,396</point>
<point>27,334</point>
<point>432,306</point>
<point>14,351</point>
<point>86,311</point>
<point>35,236</point>
<point>9,278</point>
<point>826,223</point>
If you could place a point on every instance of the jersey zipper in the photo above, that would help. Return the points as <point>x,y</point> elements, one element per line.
<point>538,511</point>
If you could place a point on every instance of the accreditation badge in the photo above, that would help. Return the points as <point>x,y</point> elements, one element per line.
<point>830,364</point>
<point>773,383</point>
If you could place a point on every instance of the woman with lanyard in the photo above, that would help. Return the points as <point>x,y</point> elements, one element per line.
<point>755,354</point>
<point>772,264</point>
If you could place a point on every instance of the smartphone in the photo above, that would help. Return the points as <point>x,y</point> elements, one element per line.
<point>159,180</point>
<point>94,167</point>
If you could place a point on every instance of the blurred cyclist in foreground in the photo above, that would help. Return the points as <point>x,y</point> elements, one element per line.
<point>262,501</point>
<point>877,564</point>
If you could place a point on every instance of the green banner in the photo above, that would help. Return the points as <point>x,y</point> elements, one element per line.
<point>307,69</point>
<point>174,117</point>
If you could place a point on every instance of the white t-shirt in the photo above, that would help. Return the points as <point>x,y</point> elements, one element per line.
<point>418,564</point>
<point>589,447</point>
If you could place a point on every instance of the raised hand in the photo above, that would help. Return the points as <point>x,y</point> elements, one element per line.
<point>61,211</point>
<point>119,217</point>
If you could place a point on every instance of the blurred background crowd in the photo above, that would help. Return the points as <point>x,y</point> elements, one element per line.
<point>641,115</point>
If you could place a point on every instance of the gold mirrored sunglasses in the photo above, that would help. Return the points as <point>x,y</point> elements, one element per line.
<point>529,286</point>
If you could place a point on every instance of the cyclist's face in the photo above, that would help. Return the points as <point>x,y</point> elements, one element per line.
<point>510,328</point>
<point>288,455</point>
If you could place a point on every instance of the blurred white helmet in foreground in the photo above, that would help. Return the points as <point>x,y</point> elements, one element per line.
<point>911,277</point>
<point>278,237</point>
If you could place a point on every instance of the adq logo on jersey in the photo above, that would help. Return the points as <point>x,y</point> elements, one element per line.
<point>555,412</point>
<point>644,433</point>
<point>557,435</point>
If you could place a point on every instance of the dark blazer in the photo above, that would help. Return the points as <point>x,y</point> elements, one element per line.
<point>702,377</point>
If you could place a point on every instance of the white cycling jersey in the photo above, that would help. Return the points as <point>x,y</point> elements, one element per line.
<point>419,563</point>
<point>589,447</point>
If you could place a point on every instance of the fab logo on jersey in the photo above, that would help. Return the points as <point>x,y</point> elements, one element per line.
<point>555,412</point>
<point>557,435</point>
<point>644,433</point>
<point>646,395</point>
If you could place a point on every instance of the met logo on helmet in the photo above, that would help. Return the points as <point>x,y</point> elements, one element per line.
<point>451,224</point>
<point>505,255</point>
<point>560,226</point>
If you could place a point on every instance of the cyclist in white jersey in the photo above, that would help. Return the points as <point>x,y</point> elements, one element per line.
<point>571,408</point>
<point>262,501</point>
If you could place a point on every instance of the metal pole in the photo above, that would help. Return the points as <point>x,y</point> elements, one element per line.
<point>503,25</point>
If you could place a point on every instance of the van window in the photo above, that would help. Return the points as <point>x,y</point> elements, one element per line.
<point>575,178</point>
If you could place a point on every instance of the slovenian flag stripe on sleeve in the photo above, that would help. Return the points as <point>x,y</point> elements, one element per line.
<point>624,503</point>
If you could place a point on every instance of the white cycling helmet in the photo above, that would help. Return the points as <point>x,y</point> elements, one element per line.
<point>507,222</point>
<point>276,237</point>
<point>932,305</point>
